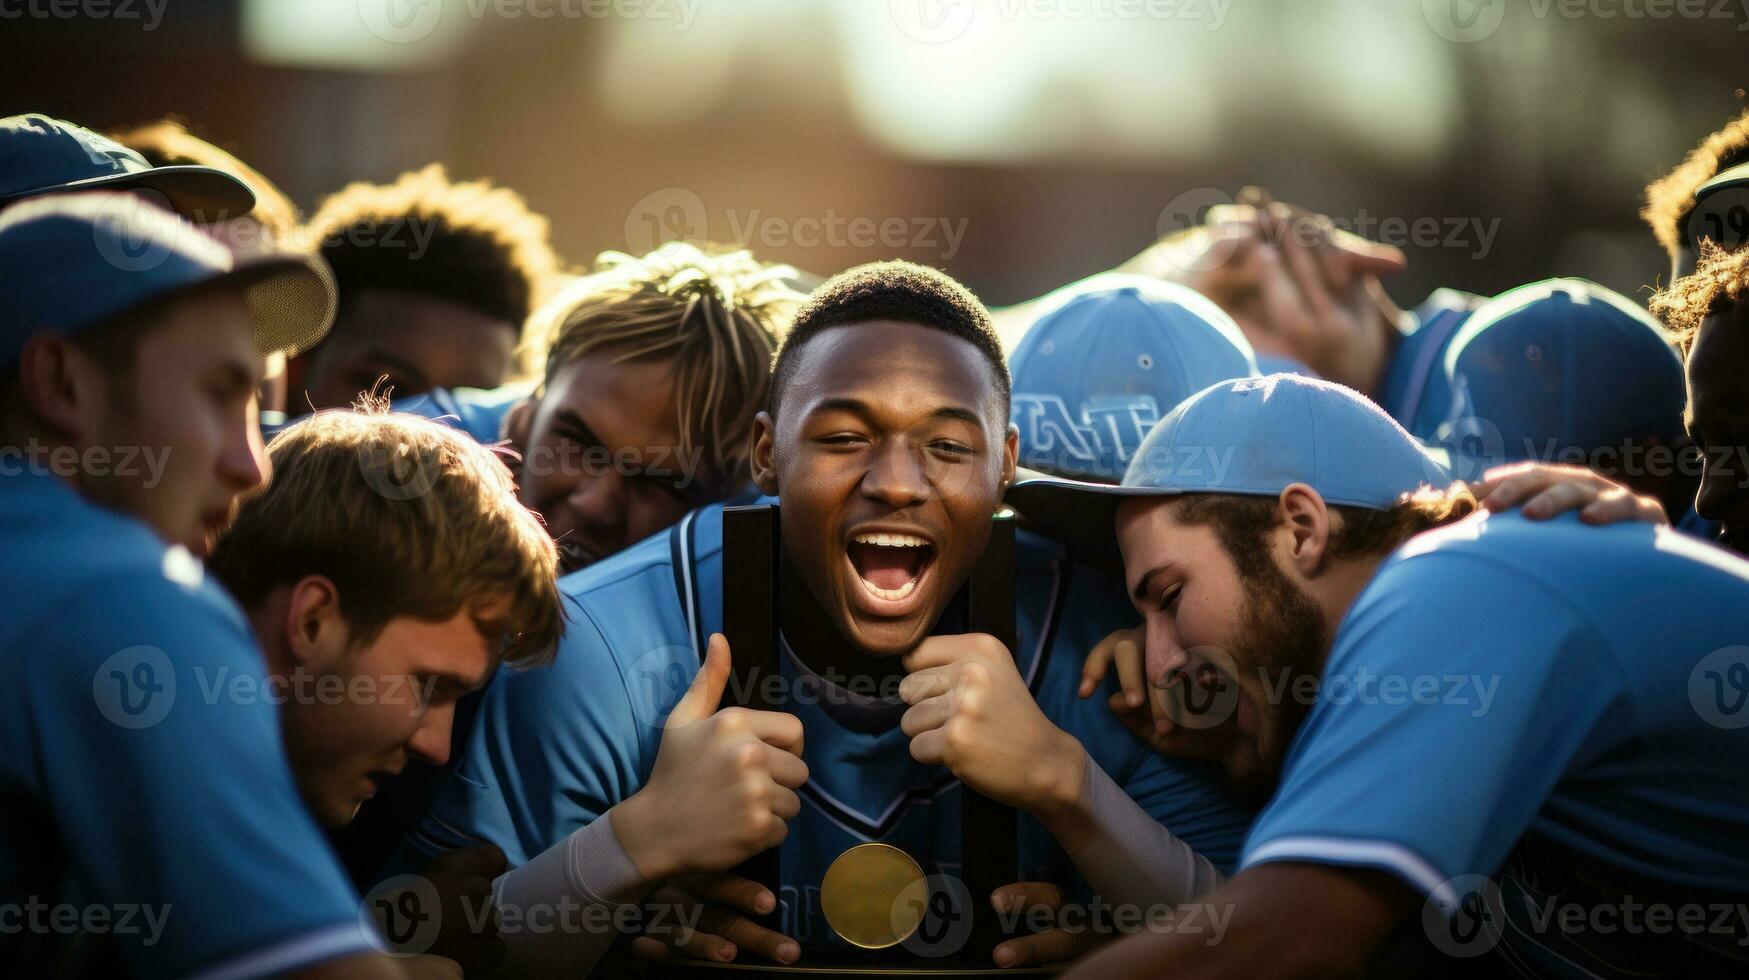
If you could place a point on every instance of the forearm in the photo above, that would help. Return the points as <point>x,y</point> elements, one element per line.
<point>1125,854</point>
<point>588,871</point>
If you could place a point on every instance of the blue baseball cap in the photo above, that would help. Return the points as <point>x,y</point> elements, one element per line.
<point>1105,360</point>
<point>43,155</point>
<point>72,261</point>
<point>1250,436</point>
<point>1555,371</point>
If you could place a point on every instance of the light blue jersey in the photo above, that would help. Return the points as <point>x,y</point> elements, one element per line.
<point>144,792</point>
<point>554,749</point>
<point>479,412</point>
<point>1573,714</point>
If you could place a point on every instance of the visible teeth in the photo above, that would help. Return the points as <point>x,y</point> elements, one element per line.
<point>891,594</point>
<point>892,540</point>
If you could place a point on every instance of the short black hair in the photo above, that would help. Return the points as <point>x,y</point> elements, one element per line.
<point>468,242</point>
<point>897,291</point>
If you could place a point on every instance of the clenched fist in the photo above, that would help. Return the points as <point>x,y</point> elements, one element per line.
<point>971,711</point>
<point>723,784</point>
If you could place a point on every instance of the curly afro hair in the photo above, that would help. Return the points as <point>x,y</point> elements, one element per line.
<point>466,242</point>
<point>1719,282</point>
<point>1670,198</point>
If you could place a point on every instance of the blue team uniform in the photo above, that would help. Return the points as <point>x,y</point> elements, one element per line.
<point>140,760</point>
<point>1414,390</point>
<point>1611,746</point>
<point>554,749</point>
<point>479,412</point>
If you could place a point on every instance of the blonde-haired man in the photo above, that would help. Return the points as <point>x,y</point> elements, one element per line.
<point>655,367</point>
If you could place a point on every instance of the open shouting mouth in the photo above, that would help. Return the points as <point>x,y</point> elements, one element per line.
<point>890,568</point>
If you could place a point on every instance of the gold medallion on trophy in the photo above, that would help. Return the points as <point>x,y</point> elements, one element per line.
<point>874,896</point>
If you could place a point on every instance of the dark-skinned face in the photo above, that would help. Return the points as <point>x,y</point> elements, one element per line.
<point>890,455</point>
<point>419,342</point>
<point>1718,419</point>
<point>601,462</point>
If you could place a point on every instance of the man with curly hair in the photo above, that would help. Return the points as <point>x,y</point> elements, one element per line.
<point>435,276</point>
<point>1709,311</point>
<point>1671,199</point>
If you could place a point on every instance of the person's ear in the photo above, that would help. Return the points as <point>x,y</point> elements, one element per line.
<point>764,459</point>
<point>1010,457</point>
<point>65,389</point>
<point>1301,512</point>
<point>316,633</point>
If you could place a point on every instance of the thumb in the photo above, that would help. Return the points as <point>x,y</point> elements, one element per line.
<point>706,692</point>
<point>485,860</point>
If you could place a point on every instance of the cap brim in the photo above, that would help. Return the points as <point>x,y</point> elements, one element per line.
<point>1082,516</point>
<point>200,194</point>
<point>1737,176</point>
<point>290,298</point>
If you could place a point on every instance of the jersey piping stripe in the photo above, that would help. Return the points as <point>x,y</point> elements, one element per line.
<point>1385,855</point>
<point>323,944</point>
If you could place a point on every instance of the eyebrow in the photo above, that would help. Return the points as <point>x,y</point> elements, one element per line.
<point>400,364</point>
<point>570,419</point>
<point>1141,591</point>
<point>238,375</point>
<point>856,406</point>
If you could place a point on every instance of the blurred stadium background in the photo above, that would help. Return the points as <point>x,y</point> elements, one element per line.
<point>1018,143</point>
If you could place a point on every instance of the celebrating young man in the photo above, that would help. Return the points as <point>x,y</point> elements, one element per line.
<point>1587,758</point>
<point>887,444</point>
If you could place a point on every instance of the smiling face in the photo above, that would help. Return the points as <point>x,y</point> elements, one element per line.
<point>1232,627</point>
<point>419,342</point>
<point>354,714</point>
<point>602,461</point>
<point>1718,419</point>
<point>890,454</point>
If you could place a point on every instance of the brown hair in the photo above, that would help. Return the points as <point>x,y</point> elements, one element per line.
<point>1718,282</point>
<point>1240,520</point>
<point>716,314</point>
<point>167,143</point>
<point>406,516</point>
<point>1670,198</point>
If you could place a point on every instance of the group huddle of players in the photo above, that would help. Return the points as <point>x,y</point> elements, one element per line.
<point>367,589</point>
